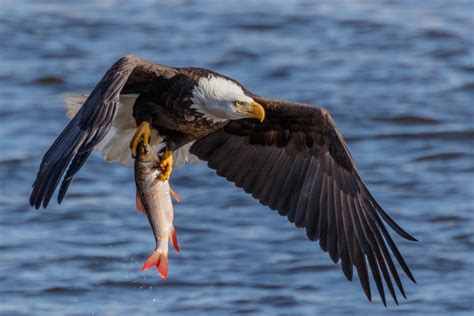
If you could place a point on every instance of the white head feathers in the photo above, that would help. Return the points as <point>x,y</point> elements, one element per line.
<point>214,97</point>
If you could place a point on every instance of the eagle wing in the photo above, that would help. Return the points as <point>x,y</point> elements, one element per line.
<point>297,163</point>
<point>90,125</point>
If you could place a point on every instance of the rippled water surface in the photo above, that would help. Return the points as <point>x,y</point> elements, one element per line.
<point>397,76</point>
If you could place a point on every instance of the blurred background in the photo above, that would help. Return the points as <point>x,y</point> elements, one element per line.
<point>397,76</point>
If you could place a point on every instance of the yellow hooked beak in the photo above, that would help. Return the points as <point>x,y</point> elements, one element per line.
<point>254,110</point>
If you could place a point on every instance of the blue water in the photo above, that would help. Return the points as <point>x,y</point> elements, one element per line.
<point>397,76</point>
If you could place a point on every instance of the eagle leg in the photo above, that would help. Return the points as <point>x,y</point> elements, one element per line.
<point>166,165</point>
<point>143,132</point>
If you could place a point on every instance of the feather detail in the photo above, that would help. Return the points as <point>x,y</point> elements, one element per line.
<point>115,145</point>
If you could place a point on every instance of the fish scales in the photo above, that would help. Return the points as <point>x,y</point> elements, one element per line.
<point>154,200</point>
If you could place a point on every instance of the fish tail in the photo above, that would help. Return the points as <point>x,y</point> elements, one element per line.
<point>162,266</point>
<point>158,260</point>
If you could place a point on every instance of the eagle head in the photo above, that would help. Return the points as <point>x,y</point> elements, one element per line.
<point>219,99</point>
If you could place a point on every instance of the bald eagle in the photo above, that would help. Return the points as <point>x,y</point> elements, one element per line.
<point>289,156</point>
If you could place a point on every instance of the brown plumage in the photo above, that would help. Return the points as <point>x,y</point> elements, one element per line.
<point>295,161</point>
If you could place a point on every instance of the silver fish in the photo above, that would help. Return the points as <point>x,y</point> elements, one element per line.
<point>154,199</point>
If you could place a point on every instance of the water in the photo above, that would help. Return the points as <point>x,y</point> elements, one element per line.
<point>397,76</point>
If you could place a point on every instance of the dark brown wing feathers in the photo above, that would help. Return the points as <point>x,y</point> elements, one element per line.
<point>74,145</point>
<point>297,163</point>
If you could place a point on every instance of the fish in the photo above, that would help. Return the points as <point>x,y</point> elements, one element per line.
<point>153,198</point>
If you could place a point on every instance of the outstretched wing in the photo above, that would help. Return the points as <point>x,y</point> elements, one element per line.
<point>90,125</point>
<point>297,163</point>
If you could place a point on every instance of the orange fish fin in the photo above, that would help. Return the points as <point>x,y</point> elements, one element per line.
<point>174,239</point>
<point>158,260</point>
<point>175,195</point>
<point>162,266</point>
<point>139,204</point>
<point>151,261</point>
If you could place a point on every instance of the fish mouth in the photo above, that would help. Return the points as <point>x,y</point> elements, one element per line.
<point>145,153</point>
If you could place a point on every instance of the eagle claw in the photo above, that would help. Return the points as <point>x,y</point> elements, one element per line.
<point>143,132</point>
<point>166,165</point>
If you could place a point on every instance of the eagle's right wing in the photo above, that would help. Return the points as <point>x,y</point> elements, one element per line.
<point>90,125</point>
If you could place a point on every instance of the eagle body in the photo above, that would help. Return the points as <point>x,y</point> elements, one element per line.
<point>289,156</point>
<point>167,104</point>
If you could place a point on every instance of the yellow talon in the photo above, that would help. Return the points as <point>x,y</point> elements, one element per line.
<point>143,132</point>
<point>166,165</point>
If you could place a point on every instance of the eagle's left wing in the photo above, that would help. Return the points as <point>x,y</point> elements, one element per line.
<point>297,163</point>
<point>90,125</point>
